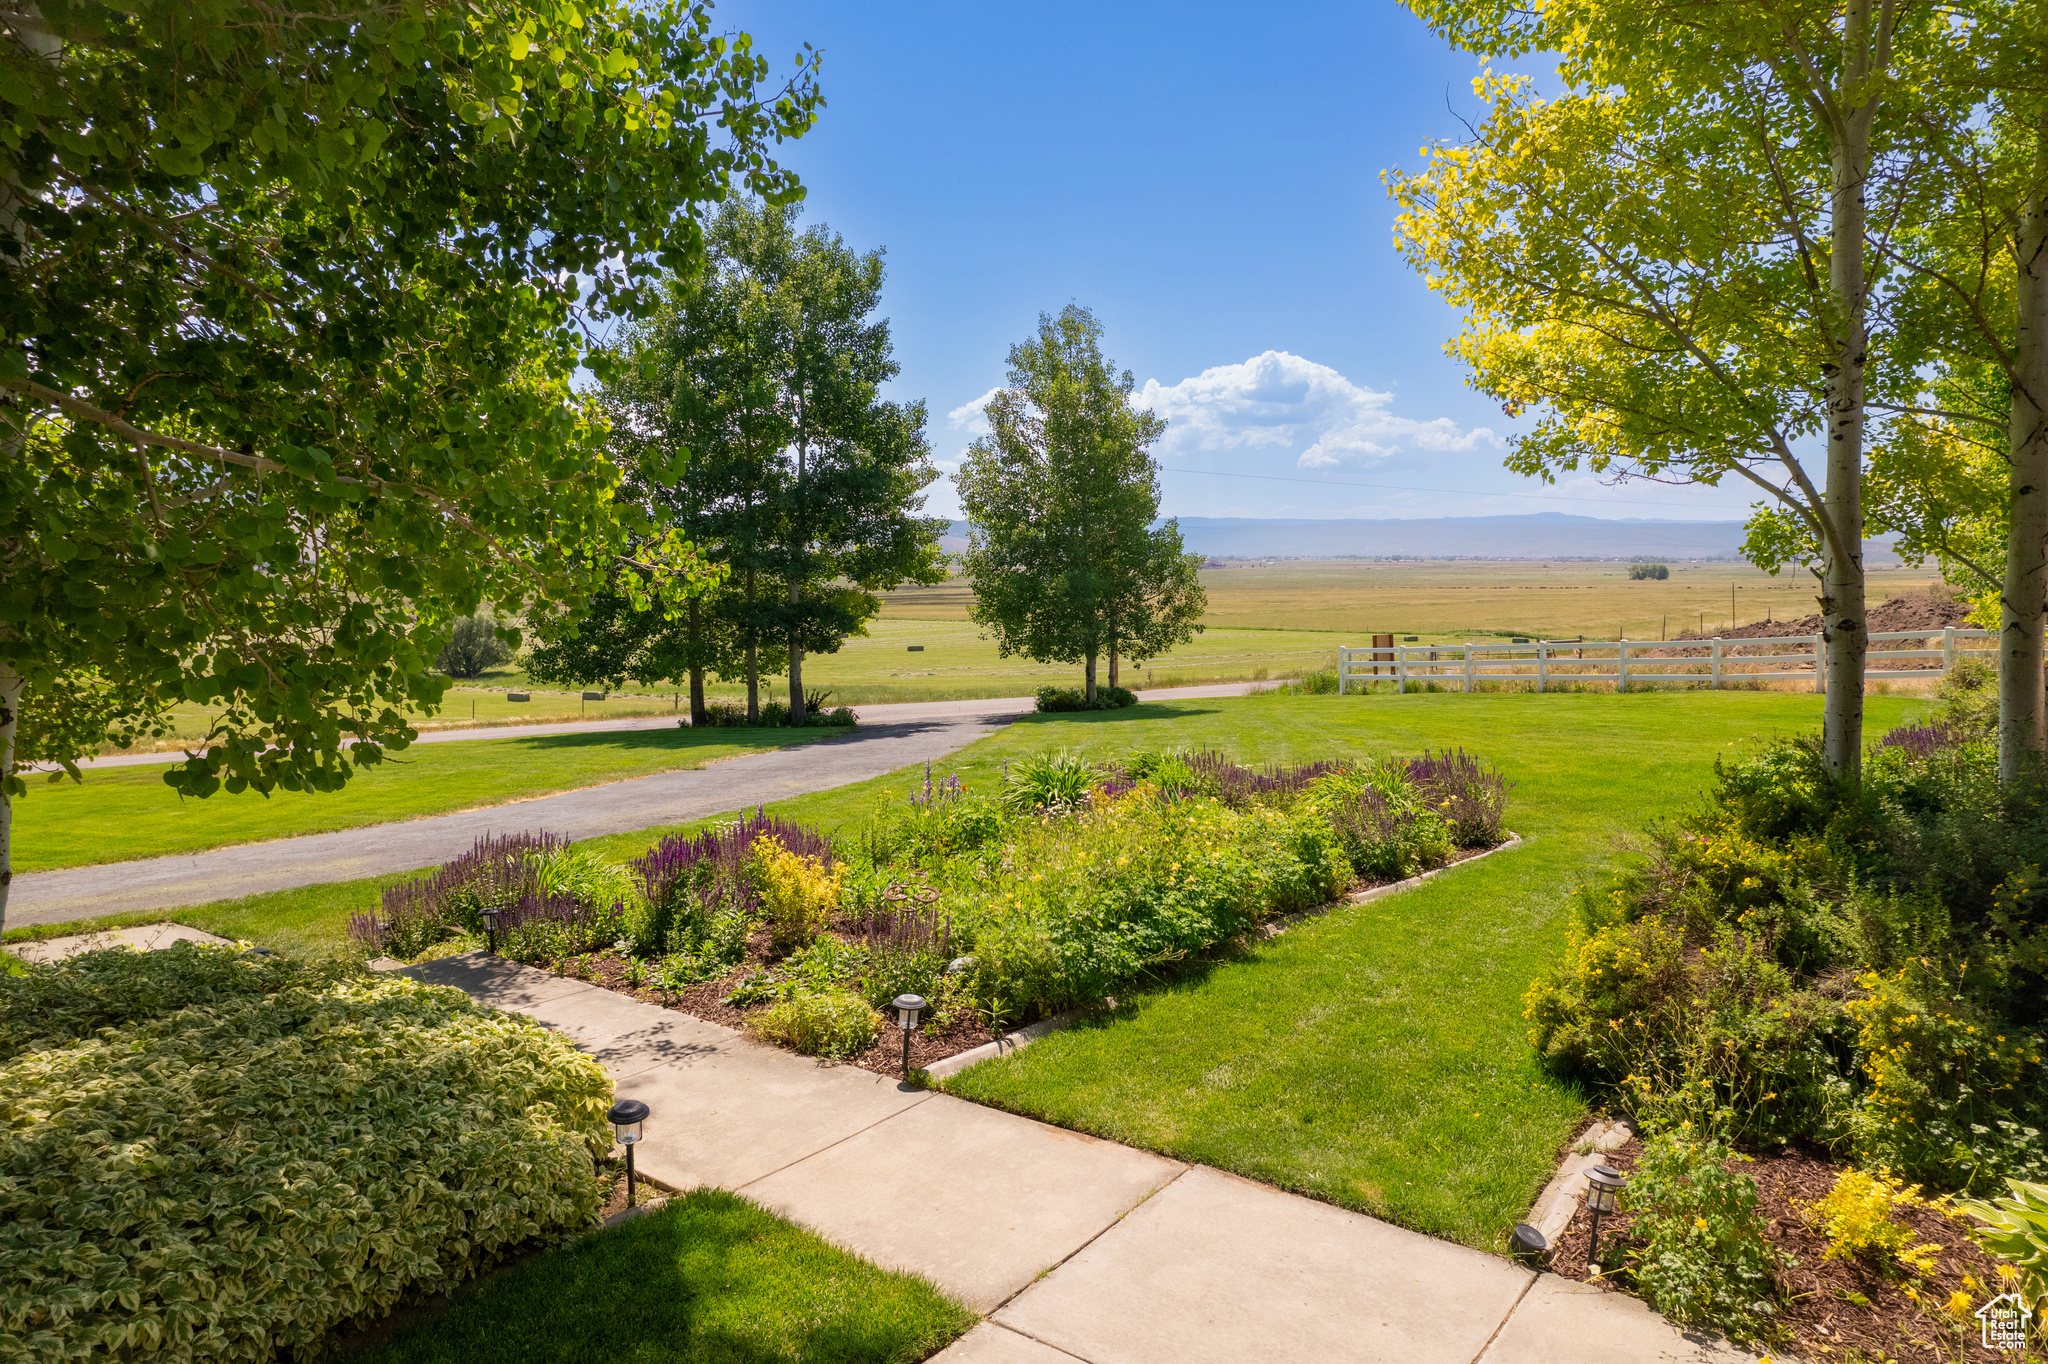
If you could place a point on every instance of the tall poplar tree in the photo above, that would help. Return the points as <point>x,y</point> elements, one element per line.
<point>1061,497</point>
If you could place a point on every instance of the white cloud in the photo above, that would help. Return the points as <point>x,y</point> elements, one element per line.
<point>1279,401</point>
<point>968,416</point>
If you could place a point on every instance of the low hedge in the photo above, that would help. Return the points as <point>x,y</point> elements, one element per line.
<point>242,1175</point>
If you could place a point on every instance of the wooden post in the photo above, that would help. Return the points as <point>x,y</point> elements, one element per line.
<point>1717,663</point>
<point>1948,649</point>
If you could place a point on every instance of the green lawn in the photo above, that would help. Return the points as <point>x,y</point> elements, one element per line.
<point>120,813</point>
<point>709,1279</point>
<point>1375,1058</point>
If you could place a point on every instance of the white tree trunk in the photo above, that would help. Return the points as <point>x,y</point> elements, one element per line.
<point>11,687</point>
<point>1842,590</point>
<point>2022,708</point>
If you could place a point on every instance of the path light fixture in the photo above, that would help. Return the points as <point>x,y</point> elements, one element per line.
<point>1603,1187</point>
<point>1525,1242</point>
<point>626,1118</point>
<point>908,1007</point>
<point>490,918</point>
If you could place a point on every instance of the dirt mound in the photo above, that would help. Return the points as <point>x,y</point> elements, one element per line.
<point>1916,612</point>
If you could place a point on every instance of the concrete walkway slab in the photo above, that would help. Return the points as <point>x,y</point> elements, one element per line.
<point>143,938</point>
<point>1563,1319</point>
<point>978,1201</point>
<point>739,1116</point>
<point>989,1343</point>
<point>495,981</point>
<point>626,1035</point>
<point>1216,1268</point>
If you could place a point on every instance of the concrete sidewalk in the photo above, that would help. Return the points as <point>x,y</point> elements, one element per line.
<point>1070,1247</point>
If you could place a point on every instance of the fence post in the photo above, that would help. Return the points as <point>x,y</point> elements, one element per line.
<point>1343,652</point>
<point>1948,649</point>
<point>1401,671</point>
<point>1468,667</point>
<point>1717,663</point>
<point>1621,673</point>
<point>1542,657</point>
<point>1820,664</point>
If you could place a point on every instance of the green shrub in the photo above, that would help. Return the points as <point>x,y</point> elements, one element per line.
<point>1702,1253</point>
<point>1082,905</point>
<point>1074,698</point>
<point>1857,967</point>
<point>241,1176</point>
<point>829,1022</point>
<point>798,893</point>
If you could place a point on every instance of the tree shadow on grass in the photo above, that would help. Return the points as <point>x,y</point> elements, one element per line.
<point>1144,710</point>
<point>710,1279</point>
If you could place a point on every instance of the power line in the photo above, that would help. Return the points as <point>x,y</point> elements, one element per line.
<point>1455,492</point>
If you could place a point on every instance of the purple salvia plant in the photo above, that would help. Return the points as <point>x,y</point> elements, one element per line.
<point>714,863</point>
<point>1469,797</point>
<point>1237,785</point>
<point>1922,740</point>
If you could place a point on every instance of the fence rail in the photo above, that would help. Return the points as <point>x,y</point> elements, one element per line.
<point>1703,662</point>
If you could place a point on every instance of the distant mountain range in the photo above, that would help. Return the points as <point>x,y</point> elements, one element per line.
<point>1539,535</point>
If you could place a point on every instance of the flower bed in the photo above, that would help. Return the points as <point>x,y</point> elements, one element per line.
<point>1846,983</point>
<point>1067,882</point>
<point>1836,1301</point>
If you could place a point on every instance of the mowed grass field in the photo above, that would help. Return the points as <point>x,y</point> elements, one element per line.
<point>1453,601</point>
<point>1375,1057</point>
<point>1278,620</point>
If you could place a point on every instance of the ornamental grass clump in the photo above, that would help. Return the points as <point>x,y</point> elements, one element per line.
<point>237,1178</point>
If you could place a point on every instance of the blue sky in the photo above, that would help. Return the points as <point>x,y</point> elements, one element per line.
<point>1206,178</point>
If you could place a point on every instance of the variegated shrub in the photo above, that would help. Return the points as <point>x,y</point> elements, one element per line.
<point>241,1176</point>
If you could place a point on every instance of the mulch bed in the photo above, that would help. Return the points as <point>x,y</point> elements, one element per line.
<point>707,999</point>
<point>1840,1311</point>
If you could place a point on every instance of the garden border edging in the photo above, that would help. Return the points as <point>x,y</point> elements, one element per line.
<point>1025,1036</point>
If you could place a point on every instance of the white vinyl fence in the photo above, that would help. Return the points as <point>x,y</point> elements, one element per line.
<point>1701,663</point>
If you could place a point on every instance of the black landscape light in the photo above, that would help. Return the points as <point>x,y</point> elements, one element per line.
<point>1525,1240</point>
<point>490,918</point>
<point>626,1117</point>
<point>908,1007</point>
<point>1603,1184</point>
